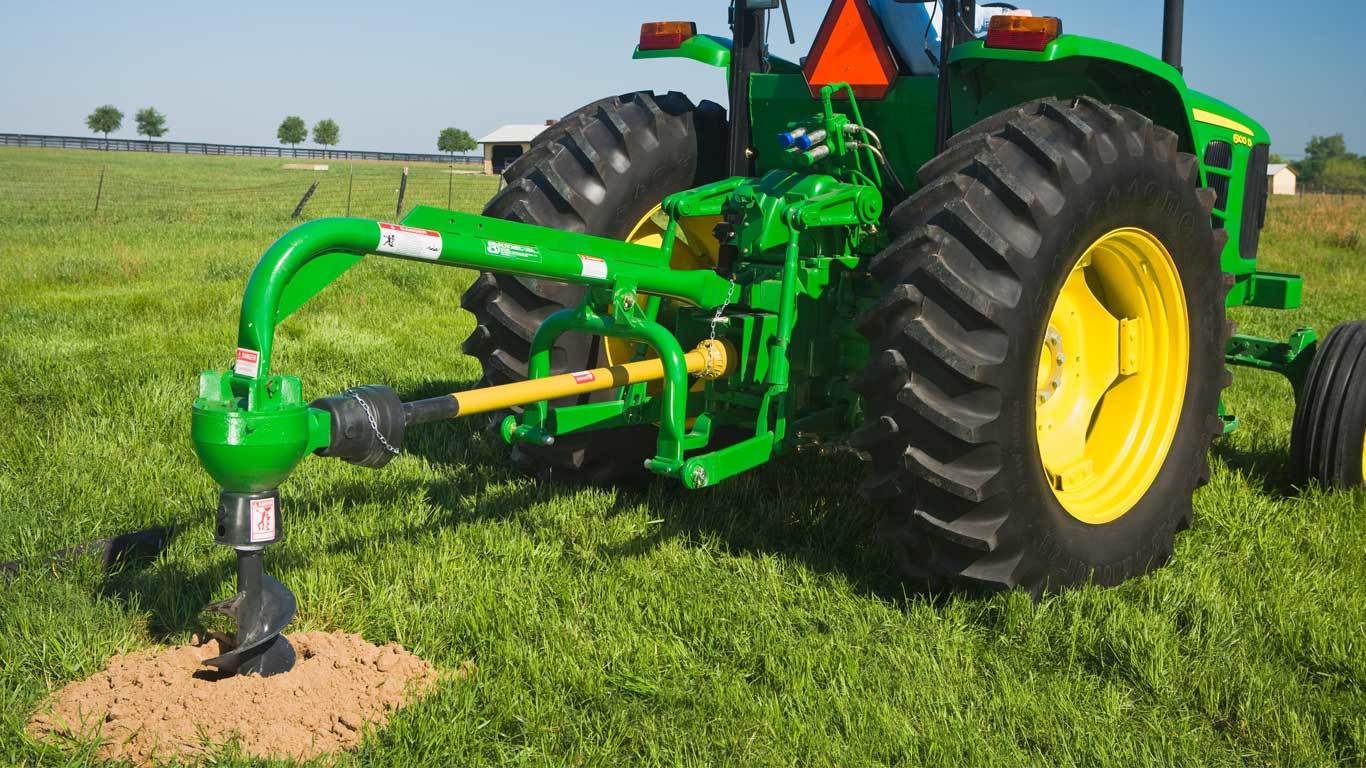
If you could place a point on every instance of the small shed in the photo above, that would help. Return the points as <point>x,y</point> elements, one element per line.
<point>1280,179</point>
<point>509,143</point>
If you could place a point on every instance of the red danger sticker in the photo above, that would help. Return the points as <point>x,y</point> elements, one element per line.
<point>409,241</point>
<point>584,377</point>
<point>248,362</point>
<point>263,519</point>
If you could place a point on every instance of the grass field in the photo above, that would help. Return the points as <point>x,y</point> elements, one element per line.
<point>750,624</point>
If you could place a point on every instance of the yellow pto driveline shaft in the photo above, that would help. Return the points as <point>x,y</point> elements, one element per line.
<point>710,360</point>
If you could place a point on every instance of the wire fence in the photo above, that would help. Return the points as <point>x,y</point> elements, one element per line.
<point>1317,191</point>
<point>113,192</point>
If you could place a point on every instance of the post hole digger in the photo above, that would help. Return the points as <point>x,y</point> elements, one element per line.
<point>1026,337</point>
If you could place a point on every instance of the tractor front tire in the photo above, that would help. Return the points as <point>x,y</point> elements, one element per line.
<point>1328,438</point>
<point>1047,356</point>
<point>600,170</point>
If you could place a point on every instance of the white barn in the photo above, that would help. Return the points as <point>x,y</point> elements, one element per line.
<point>509,143</point>
<point>1280,179</point>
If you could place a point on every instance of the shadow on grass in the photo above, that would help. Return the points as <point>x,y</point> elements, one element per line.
<point>1264,467</point>
<point>805,508</point>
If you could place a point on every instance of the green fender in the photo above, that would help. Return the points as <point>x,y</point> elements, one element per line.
<point>993,79</point>
<point>988,80</point>
<point>711,50</point>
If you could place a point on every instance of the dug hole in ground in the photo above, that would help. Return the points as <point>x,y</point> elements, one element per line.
<point>163,704</point>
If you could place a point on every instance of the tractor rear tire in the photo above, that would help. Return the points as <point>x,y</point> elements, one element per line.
<point>962,351</point>
<point>599,170</point>
<point>1329,433</point>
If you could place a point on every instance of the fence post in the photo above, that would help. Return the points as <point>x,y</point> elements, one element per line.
<point>99,190</point>
<point>450,181</point>
<point>402,187</point>
<point>299,209</point>
<point>350,177</point>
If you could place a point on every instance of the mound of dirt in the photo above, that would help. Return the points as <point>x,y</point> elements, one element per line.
<point>164,704</point>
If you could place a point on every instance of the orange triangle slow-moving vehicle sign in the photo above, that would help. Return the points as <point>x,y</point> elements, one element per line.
<point>850,48</point>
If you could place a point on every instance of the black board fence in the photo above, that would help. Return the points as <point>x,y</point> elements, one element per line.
<point>238,150</point>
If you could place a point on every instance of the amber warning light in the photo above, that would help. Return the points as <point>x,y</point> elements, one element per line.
<point>665,35</point>
<point>1023,33</point>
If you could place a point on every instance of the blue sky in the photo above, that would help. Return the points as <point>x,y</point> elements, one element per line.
<point>394,73</point>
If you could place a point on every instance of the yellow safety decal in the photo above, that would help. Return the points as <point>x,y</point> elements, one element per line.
<point>1209,118</point>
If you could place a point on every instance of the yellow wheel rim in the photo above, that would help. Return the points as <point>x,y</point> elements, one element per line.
<point>695,247</point>
<point>1112,375</point>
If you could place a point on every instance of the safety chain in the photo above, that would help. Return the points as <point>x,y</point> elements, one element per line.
<point>721,310</point>
<point>370,416</point>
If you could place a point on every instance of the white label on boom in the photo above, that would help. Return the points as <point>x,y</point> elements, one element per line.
<point>593,267</point>
<point>409,241</point>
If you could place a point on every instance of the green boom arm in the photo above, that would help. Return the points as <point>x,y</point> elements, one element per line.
<point>309,257</point>
<point>250,428</point>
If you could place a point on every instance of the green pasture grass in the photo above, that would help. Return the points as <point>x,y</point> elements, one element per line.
<point>138,187</point>
<point>748,624</point>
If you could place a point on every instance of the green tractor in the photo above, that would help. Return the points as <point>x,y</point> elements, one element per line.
<point>1003,281</point>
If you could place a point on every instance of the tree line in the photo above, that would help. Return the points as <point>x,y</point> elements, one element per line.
<point>108,118</point>
<point>1328,164</point>
<point>293,130</point>
<point>326,132</point>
